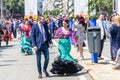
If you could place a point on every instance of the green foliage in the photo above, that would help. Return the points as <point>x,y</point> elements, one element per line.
<point>94,16</point>
<point>52,12</point>
<point>46,12</point>
<point>91,7</point>
<point>72,17</point>
<point>55,12</point>
<point>15,6</point>
<point>100,5</point>
<point>105,5</point>
<point>70,5</point>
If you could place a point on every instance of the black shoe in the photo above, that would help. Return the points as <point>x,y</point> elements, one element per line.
<point>46,73</point>
<point>100,58</point>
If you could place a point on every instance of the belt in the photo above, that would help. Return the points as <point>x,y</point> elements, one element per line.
<point>64,38</point>
<point>44,42</point>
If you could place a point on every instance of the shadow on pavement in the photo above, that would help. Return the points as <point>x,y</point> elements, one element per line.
<point>53,52</point>
<point>5,47</point>
<point>1,54</point>
<point>105,63</point>
<point>84,59</point>
<point>9,60</point>
<point>5,65</point>
<point>75,74</point>
<point>87,59</point>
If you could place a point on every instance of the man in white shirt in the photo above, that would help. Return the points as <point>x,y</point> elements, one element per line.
<point>101,24</point>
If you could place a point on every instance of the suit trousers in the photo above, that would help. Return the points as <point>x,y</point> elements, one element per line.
<point>44,49</point>
<point>102,45</point>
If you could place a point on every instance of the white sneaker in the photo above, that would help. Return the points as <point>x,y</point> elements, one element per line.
<point>81,58</point>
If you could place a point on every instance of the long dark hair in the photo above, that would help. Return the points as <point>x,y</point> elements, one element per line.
<point>67,21</point>
<point>82,21</point>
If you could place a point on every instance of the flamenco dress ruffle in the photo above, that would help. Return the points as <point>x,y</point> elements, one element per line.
<point>25,45</point>
<point>60,66</point>
<point>65,63</point>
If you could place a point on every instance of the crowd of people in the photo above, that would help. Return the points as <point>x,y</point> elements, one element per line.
<point>8,29</point>
<point>37,35</point>
<point>110,29</point>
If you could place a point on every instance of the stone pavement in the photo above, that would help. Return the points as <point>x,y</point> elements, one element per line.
<point>101,71</point>
<point>14,66</point>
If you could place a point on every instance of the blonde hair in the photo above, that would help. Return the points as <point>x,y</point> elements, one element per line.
<point>117,20</point>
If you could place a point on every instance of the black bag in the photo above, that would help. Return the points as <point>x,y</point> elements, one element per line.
<point>1,32</point>
<point>84,45</point>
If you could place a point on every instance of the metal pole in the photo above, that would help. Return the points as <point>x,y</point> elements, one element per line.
<point>113,4</point>
<point>1,9</point>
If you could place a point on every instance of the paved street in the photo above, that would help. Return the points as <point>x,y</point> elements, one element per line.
<point>14,66</point>
<point>106,49</point>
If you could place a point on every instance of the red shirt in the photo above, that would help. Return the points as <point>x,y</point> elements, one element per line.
<point>27,30</point>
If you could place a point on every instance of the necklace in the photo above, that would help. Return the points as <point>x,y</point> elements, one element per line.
<point>65,30</point>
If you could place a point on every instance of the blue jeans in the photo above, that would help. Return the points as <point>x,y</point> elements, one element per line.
<point>114,49</point>
<point>44,49</point>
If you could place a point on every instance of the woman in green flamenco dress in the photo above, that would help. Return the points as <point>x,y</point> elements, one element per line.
<point>25,43</point>
<point>64,63</point>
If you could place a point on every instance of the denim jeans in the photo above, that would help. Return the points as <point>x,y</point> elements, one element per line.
<point>44,49</point>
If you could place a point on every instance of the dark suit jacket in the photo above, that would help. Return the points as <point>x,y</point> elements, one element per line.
<point>115,35</point>
<point>36,36</point>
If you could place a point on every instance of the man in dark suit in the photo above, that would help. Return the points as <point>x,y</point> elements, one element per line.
<point>41,41</point>
<point>13,28</point>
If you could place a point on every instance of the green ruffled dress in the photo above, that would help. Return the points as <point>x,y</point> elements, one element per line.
<point>25,44</point>
<point>64,47</point>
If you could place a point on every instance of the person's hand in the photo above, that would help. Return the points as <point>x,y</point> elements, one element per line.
<point>73,29</point>
<point>76,38</point>
<point>35,48</point>
<point>59,35</point>
<point>50,45</point>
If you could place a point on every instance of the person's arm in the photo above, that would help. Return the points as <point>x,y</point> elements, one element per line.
<point>72,37</point>
<point>48,35</point>
<point>74,27</point>
<point>47,32</point>
<point>112,29</point>
<point>33,39</point>
<point>57,33</point>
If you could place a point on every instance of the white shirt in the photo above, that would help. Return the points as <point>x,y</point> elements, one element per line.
<point>100,24</point>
